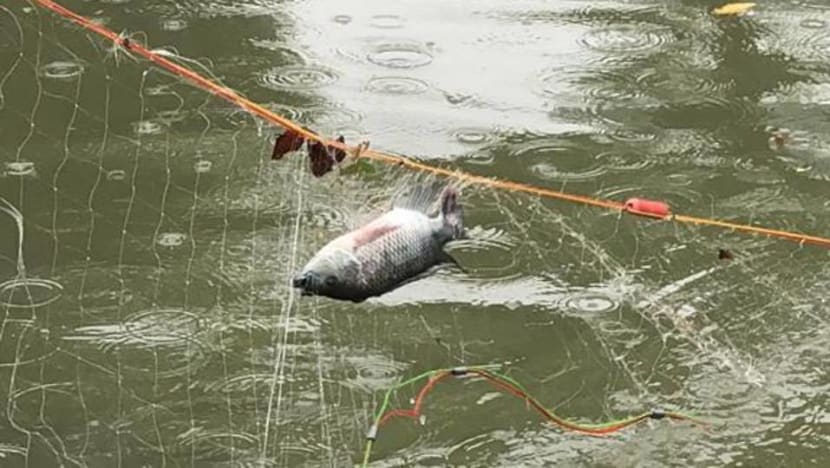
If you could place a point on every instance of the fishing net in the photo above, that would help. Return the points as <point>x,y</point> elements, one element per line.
<point>148,240</point>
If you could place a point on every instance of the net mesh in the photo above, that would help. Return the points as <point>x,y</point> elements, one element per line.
<point>147,244</point>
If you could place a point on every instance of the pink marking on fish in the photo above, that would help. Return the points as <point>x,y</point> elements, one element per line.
<point>371,232</point>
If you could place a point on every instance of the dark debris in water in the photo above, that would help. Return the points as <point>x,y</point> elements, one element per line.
<point>724,254</point>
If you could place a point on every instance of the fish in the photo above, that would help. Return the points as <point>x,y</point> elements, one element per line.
<point>403,245</point>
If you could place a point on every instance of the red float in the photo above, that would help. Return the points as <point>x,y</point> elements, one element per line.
<point>650,208</point>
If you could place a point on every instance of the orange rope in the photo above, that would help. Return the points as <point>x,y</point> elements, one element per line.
<point>276,119</point>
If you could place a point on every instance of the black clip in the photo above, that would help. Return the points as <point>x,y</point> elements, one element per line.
<point>657,414</point>
<point>459,371</point>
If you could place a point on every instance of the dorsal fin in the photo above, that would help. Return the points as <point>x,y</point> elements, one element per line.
<point>420,197</point>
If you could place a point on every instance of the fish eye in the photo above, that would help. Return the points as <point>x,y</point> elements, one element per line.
<point>331,280</point>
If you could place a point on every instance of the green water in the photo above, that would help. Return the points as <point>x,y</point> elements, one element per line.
<point>153,324</point>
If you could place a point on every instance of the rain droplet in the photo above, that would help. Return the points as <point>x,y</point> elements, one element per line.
<point>116,175</point>
<point>147,127</point>
<point>472,136</point>
<point>203,166</point>
<point>386,22</point>
<point>61,70</point>
<point>171,239</point>
<point>400,55</point>
<point>173,24</point>
<point>558,161</point>
<point>594,303</point>
<point>396,85</point>
<point>624,160</point>
<point>162,326</point>
<point>298,77</point>
<point>19,168</point>
<point>813,23</point>
<point>158,90</point>
<point>170,116</point>
<point>625,38</point>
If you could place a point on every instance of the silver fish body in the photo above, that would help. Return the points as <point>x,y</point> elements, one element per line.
<point>391,250</point>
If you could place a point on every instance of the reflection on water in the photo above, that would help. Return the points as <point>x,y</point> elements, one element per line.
<point>161,329</point>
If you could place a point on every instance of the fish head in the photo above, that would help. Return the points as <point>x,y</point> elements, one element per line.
<point>332,273</point>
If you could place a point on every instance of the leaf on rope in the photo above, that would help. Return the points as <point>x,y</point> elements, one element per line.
<point>339,154</point>
<point>286,143</point>
<point>733,9</point>
<point>320,161</point>
<point>323,158</point>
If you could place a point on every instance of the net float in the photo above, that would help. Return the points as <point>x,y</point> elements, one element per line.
<point>646,207</point>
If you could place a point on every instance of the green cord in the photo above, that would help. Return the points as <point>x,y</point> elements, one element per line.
<point>367,453</point>
<point>398,386</point>
<point>385,405</point>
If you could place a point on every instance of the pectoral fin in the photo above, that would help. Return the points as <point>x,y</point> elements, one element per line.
<point>446,258</point>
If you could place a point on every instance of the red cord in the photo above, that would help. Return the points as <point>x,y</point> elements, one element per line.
<point>508,387</point>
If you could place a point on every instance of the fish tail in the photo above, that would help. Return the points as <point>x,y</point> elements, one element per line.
<point>452,212</point>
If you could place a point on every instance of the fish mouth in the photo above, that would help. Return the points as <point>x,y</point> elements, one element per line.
<point>304,282</point>
<point>300,281</point>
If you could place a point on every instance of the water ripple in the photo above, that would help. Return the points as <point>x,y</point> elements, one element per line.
<point>396,85</point>
<point>560,161</point>
<point>374,372</point>
<point>116,175</point>
<point>171,239</point>
<point>386,22</point>
<point>819,43</point>
<point>162,326</point>
<point>331,116</point>
<point>298,77</point>
<point>487,238</point>
<point>472,136</point>
<point>626,38</point>
<point>813,23</point>
<point>400,55</point>
<point>61,70</point>
<point>327,217</point>
<point>19,168</point>
<point>29,292</point>
<point>173,24</point>
<point>593,302</point>
<point>202,167</point>
<point>147,127</point>
<point>624,160</point>
<point>162,342</point>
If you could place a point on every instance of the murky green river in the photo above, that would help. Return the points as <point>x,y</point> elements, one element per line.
<point>148,241</point>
